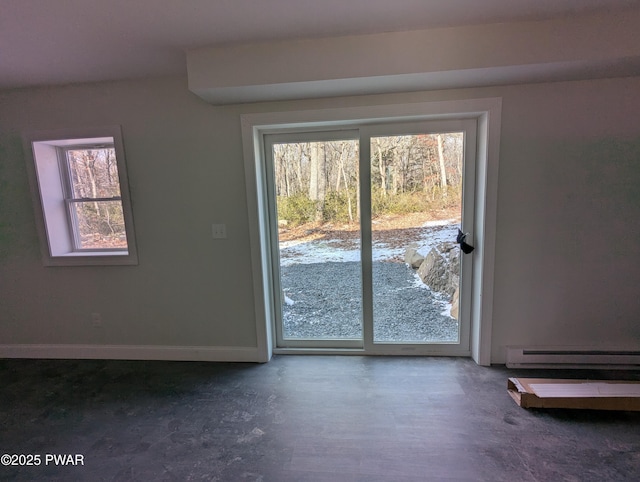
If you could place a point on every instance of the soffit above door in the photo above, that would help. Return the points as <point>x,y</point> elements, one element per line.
<point>594,46</point>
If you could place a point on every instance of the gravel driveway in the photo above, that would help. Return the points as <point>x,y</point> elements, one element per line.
<point>323,300</point>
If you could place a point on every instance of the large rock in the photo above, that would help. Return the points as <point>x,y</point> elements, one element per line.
<point>453,282</point>
<point>455,304</point>
<point>440,270</point>
<point>412,257</point>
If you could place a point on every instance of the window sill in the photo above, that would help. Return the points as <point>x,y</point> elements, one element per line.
<point>94,258</point>
<point>93,254</point>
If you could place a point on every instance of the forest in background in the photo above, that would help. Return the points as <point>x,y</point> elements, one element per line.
<point>94,198</point>
<point>319,181</point>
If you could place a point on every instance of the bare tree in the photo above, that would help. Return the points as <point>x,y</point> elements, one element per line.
<point>443,169</point>
<point>318,177</point>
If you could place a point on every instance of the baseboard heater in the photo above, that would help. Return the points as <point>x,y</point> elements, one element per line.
<point>571,357</point>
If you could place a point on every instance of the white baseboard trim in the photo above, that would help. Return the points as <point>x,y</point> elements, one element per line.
<point>134,352</point>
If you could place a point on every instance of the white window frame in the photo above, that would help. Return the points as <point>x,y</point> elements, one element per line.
<point>47,167</point>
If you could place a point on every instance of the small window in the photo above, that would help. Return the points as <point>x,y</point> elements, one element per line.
<point>81,200</point>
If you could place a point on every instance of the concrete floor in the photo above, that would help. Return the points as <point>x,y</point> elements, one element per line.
<point>302,418</point>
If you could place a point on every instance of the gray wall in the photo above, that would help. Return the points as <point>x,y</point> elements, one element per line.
<point>567,252</point>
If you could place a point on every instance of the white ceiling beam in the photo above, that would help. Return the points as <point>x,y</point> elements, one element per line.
<point>592,46</point>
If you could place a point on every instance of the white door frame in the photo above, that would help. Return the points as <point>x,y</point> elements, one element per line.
<point>487,114</point>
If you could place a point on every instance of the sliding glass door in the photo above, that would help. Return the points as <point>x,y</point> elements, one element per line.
<point>363,236</point>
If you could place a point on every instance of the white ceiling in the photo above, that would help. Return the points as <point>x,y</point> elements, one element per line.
<point>46,42</point>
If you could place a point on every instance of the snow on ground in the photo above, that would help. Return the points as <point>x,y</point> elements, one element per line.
<point>300,257</point>
<point>321,251</point>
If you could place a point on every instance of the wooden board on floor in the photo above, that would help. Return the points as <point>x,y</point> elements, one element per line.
<point>584,394</point>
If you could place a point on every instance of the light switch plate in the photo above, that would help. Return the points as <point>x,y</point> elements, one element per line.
<point>219,231</point>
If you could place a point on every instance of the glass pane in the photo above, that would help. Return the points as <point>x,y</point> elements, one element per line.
<point>318,206</point>
<point>99,224</point>
<point>94,173</point>
<point>416,203</point>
